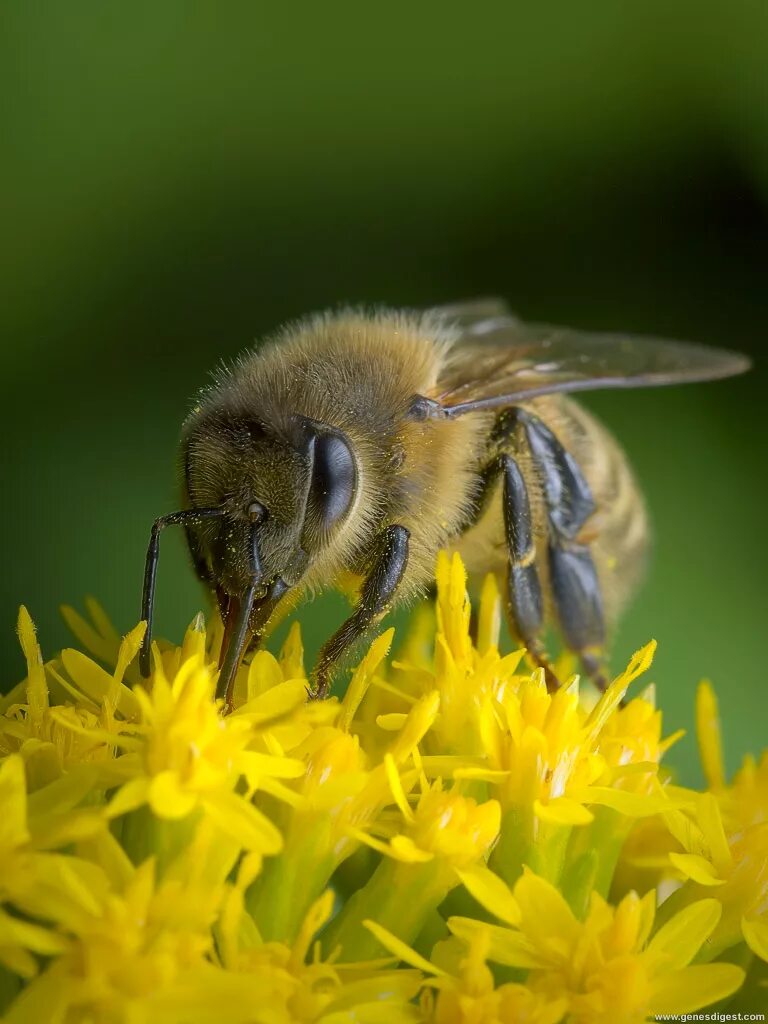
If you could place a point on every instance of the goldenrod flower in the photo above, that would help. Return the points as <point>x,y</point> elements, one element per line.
<point>182,754</point>
<point>445,833</point>
<point>55,739</point>
<point>722,841</point>
<point>33,879</point>
<point>461,989</point>
<point>302,984</point>
<point>743,802</point>
<point>608,967</point>
<point>142,939</point>
<point>342,861</point>
<point>550,762</point>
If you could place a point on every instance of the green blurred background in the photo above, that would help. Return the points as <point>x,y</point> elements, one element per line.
<point>179,177</point>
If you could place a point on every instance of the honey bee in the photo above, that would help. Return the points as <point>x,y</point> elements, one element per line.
<point>356,445</point>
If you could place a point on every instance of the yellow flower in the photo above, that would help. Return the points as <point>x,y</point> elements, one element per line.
<point>460,988</point>
<point>444,826</point>
<point>721,841</point>
<point>326,811</point>
<point>163,863</point>
<point>445,835</point>
<point>53,739</point>
<point>607,967</point>
<point>33,879</point>
<point>97,636</point>
<point>142,940</point>
<point>293,978</point>
<point>743,802</point>
<point>731,867</point>
<point>632,746</point>
<point>179,753</point>
<point>183,755</point>
<point>546,759</point>
<point>554,765</point>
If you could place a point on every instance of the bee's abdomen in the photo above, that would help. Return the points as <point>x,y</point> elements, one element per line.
<point>617,532</point>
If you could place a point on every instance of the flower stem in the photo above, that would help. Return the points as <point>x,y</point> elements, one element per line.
<point>399,896</point>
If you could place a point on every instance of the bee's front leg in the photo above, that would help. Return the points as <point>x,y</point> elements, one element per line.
<point>388,564</point>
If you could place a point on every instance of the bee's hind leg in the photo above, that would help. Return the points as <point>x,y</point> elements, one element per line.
<point>593,663</point>
<point>573,576</point>
<point>525,601</point>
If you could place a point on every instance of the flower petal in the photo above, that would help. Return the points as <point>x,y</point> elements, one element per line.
<point>544,910</point>
<point>362,676</point>
<point>255,765</point>
<point>678,941</point>
<point>393,721</point>
<point>505,945</point>
<point>491,892</point>
<point>694,987</point>
<point>130,796</point>
<point>709,736</point>
<point>639,662</point>
<point>275,703</point>
<point>103,641</point>
<point>15,932</point>
<point>697,868</point>
<point>489,617</point>
<point>756,935</point>
<point>396,787</point>
<point>243,822</point>
<point>711,823</point>
<point>400,949</point>
<point>633,805</point>
<point>403,848</point>
<point>13,800</point>
<point>563,811</point>
<point>96,683</point>
<point>168,798</point>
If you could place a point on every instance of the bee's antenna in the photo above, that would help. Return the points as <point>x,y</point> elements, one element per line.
<point>187,517</point>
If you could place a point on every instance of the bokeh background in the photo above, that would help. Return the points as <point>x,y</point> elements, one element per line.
<point>177,178</point>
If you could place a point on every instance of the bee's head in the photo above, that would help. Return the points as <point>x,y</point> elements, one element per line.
<point>285,490</point>
<point>278,495</point>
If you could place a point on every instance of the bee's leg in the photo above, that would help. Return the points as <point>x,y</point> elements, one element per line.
<point>388,566</point>
<point>573,576</point>
<point>579,605</point>
<point>525,603</point>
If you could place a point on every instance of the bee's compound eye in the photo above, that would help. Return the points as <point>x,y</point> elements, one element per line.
<point>334,477</point>
<point>256,512</point>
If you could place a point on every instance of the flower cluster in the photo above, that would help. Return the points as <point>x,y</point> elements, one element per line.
<point>448,843</point>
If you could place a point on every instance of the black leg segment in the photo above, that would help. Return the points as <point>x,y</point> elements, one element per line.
<point>573,576</point>
<point>567,493</point>
<point>525,598</point>
<point>387,570</point>
<point>525,601</point>
<point>576,591</point>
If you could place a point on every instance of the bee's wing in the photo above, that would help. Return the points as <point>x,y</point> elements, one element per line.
<point>466,314</point>
<point>499,360</point>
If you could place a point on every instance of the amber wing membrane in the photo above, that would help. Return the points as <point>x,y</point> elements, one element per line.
<point>499,360</point>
